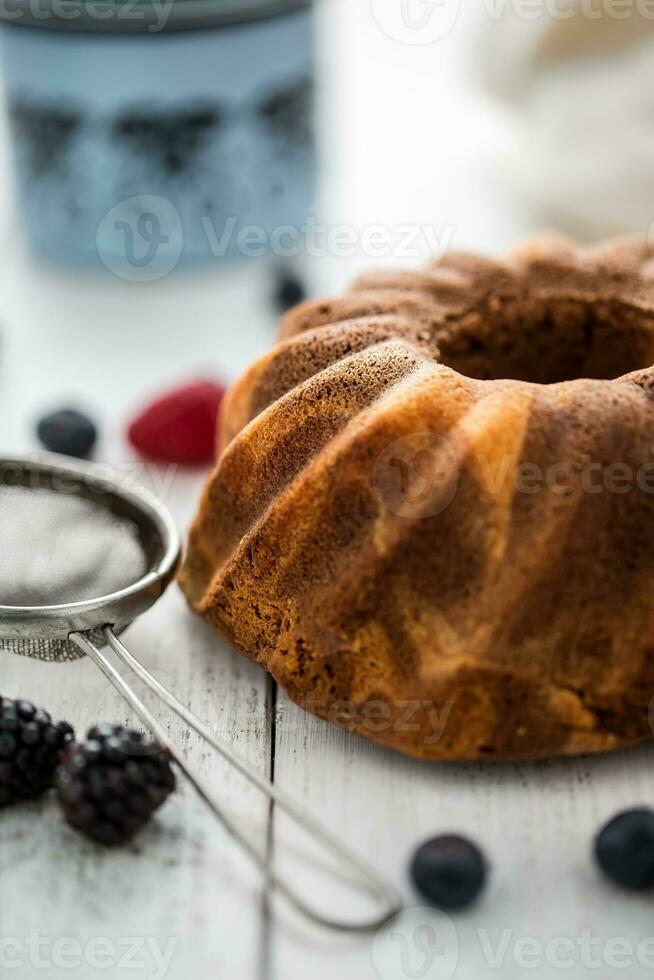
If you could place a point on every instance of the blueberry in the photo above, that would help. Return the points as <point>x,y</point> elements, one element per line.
<point>449,871</point>
<point>67,432</point>
<point>624,849</point>
<point>289,290</point>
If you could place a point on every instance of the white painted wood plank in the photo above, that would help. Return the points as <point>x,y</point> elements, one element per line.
<point>183,880</point>
<point>107,345</point>
<point>535,822</point>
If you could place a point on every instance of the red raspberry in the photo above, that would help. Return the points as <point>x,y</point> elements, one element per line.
<point>179,427</point>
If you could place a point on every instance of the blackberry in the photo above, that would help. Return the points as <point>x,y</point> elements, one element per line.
<point>31,746</point>
<point>110,786</point>
<point>449,871</point>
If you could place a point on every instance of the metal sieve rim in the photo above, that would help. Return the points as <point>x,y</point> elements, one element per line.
<point>117,609</point>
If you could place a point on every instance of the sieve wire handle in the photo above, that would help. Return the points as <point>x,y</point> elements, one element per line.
<point>380,890</point>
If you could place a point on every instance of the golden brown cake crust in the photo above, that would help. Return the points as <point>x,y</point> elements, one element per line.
<point>432,518</point>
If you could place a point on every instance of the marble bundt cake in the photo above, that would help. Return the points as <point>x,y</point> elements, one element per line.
<point>432,518</point>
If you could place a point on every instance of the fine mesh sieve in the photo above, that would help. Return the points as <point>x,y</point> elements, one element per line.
<point>78,551</point>
<point>75,549</point>
<point>81,556</point>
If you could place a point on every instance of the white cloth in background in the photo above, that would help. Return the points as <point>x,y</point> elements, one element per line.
<point>582,93</point>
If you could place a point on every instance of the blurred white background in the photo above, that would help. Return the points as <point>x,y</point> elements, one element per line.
<point>407,138</point>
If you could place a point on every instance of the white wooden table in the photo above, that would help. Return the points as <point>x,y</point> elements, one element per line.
<point>182,902</point>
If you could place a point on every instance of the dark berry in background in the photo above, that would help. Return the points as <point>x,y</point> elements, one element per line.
<point>289,290</point>
<point>31,747</point>
<point>179,426</point>
<point>449,871</point>
<point>110,786</point>
<point>624,849</point>
<point>68,432</point>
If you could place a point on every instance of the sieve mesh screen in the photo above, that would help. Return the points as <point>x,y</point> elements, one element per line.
<point>59,548</point>
<point>65,541</point>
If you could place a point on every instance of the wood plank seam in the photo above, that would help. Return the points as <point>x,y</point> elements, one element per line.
<point>267,924</point>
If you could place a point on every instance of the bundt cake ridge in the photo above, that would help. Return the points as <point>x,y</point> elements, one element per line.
<point>432,518</point>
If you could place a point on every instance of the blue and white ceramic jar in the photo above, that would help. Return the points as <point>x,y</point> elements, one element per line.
<point>146,133</point>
